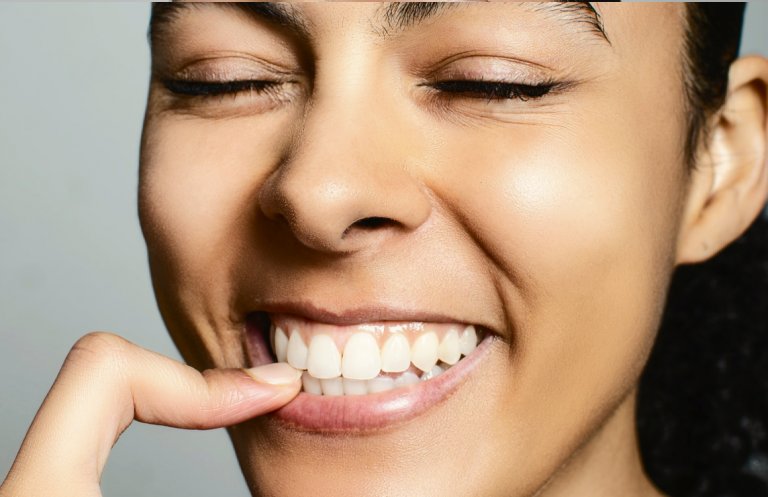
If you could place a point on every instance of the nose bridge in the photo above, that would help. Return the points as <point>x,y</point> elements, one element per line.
<point>347,166</point>
<point>341,125</point>
<point>351,116</point>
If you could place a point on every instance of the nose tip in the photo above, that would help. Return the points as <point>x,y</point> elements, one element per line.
<point>343,209</point>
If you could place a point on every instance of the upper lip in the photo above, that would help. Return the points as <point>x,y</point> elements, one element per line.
<point>369,313</point>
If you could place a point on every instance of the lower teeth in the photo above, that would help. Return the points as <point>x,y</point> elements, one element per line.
<point>382,383</point>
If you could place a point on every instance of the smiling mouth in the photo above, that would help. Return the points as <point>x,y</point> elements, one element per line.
<point>365,376</point>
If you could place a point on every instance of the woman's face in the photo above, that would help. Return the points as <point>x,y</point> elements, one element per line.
<point>381,179</point>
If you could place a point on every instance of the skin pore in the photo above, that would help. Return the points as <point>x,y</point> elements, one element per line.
<point>551,213</point>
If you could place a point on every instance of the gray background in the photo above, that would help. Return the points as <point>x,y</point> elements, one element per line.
<point>73,80</point>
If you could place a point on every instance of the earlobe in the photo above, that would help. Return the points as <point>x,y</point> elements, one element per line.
<point>729,185</point>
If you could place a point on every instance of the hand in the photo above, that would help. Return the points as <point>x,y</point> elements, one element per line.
<point>105,383</point>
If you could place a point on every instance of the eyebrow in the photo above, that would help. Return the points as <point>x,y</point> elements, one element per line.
<point>392,18</point>
<point>400,16</point>
<point>165,14</point>
<point>579,12</point>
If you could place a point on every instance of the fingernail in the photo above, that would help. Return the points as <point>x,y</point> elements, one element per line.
<point>277,373</point>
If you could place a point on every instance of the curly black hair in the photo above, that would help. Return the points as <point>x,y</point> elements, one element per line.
<point>703,398</point>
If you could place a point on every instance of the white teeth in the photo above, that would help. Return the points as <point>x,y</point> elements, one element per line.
<point>424,351</point>
<point>362,359</point>
<point>355,387</point>
<point>468,340</point>
<point>323,358</point>
<point>332,387</point>
<point>297,351</point>
<point>396,354</point>
<point>406,379</point>
<point>357,371</point>
<point>449,351</point>
<point>281,345</point>
<point>435,371</point>
<point>311,384</point>
<point>380,384</point>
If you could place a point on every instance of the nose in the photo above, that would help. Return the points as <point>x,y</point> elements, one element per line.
<point>347,184</point>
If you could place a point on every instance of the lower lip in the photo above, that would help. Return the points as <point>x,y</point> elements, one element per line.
<point>365,413</point>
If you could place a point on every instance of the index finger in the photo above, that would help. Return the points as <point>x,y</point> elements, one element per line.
<point>106,382</point>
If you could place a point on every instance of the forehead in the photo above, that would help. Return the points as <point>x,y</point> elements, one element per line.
<point>594,21</point>
<point>385,18</point>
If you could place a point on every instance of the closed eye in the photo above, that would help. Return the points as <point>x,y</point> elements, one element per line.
<point>494,90</point>
<point>218,88</point>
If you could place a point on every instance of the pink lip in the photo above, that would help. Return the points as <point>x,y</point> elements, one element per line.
<point>376,411</point>
<point>357,414</point>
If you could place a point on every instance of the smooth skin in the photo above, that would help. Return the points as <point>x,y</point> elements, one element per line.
<point>555,223</point>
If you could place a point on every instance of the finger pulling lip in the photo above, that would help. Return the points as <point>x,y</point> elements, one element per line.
<point>363,413</point>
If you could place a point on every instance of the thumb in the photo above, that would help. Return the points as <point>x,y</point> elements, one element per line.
<point>105,383</point>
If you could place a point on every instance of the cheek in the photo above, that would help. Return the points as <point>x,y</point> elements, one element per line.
<point>196,193</point>
<point>580,227</point>
<point>580,236</point>
<point>548,208</point>
<point>197,190</point>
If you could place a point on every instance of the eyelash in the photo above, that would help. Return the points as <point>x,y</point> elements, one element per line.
<point>488,90</point>
<point>218,88</point>
<point>493,90</point>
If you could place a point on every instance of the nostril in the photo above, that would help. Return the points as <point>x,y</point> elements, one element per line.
<point>370,223</point>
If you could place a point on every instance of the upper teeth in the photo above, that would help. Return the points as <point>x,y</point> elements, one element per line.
<point>424,351</point>
<point>395,354</point>
<point>363,359</point>
<point>323,358</point>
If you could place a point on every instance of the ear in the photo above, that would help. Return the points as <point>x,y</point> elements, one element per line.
<point>729,185</point>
